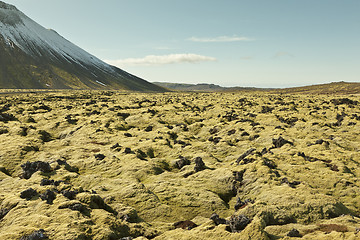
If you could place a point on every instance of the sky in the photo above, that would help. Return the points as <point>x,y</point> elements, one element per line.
<point>248,43</point>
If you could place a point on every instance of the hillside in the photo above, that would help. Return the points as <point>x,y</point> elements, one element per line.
<point>33,57</point>
<point>341,88</point>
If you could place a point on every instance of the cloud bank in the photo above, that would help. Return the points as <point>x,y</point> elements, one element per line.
<point>220,39</point>
<point>161,60</point>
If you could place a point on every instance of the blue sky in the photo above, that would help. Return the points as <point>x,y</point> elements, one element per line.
<point>261,43</point>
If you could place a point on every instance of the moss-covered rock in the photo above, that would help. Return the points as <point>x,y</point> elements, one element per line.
<point>299,172</point>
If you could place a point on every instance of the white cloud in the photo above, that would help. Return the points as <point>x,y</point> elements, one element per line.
<point>220,39</point>
<point>161,60</point>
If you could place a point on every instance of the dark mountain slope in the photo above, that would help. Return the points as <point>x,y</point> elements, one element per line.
<point>34,57</point>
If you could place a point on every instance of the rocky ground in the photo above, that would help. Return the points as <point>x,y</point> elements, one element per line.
<point>108,165</point>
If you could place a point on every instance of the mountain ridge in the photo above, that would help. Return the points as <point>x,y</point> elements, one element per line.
<point>35,57</point>
<point>204,87</point>
<point>325,88</point>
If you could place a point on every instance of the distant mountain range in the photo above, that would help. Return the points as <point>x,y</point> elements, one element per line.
<point>328,88</point>
<point>32,57</point>
<point>204,87</point>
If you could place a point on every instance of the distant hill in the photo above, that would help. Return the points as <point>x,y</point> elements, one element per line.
<point>32,57</point>
<point>344,88</point>
<point>203,87</point>
<point>328,88</point>
<point>190,87</point>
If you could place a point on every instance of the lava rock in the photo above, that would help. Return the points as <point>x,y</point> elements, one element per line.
<point>188,225</point>
<point>238,175</point>
<point>3,131</point>
<point>148,128</point>
<point>269,163</point>
<point>74,207</point>
<point>117,147</point>
<point>3,212</point>
<point>57,183</point>
<point>199,164</point>
<point>245,134</point>
<point>244,155</point>
<point>45,136</point>
<point>182,162</point>
<point>141,154</point>
<point>266,109</point>
<point>215,140</point>
<point>291,184</point>
<point>333,167</point>
<point>217,220</point>
<point>127,150</point>
<point>213,131</point>
<point>340,117</point>
<point>346,101</point>
<point>239,204</point>
<point>29,168</point>
<point>290,121</point>
<point>30,148</point>
<point>150,153</point>
<point>77,207</point>
<point>5,117</point>
<point>238,223</point>
<point>231,132</point>
<point>264,151</point>
<point>5,171</point>
<point>67,166</point>
<point>23,131</point>
<point>71,120</point>
<point>278,143</point>
<point>252,138</point>
<point>46,182</point>
<point>49,196</point>
<point>36,235</point>
<point>28,194</point>
<point>127,238</point>
<point>99,156</point>
<point>71,195</point>
<point>294,233</point>
<point>123,115</point>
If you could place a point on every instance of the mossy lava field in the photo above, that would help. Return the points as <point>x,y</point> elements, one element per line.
<point>111,165</point>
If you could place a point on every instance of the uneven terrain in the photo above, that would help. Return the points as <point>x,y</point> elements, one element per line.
<point>112,165</point>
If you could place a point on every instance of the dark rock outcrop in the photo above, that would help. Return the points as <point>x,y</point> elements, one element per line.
<point>182,162</point>
<point>217,220</point>
<point>278,143</point>
<point>188,225</point>
<point>48,196</point>
<point>237,223</point>
<point>199,164</point>
<point>36,235</point>
<point>294,233</point>
<point>29,168</point>
<point>28,194</point>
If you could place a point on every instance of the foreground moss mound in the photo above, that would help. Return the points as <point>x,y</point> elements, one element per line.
<point>108,165</point>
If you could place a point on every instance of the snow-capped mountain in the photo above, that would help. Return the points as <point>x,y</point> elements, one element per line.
<point>34,57</point>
